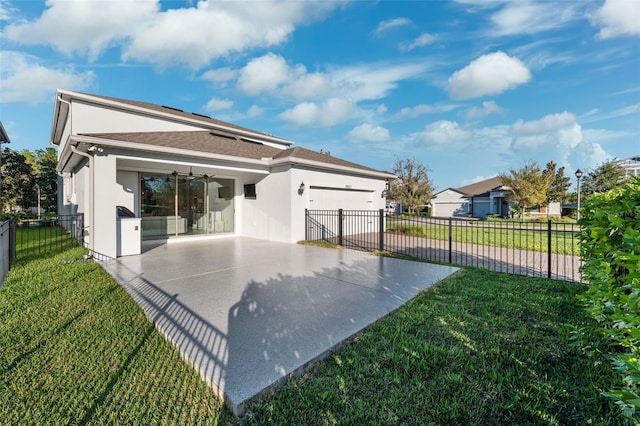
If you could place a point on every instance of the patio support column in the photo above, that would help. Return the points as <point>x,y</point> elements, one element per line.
<point>104,203</point>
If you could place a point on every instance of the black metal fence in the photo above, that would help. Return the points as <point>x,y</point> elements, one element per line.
<point>7,246</point>
<point>544,249</point>
<point>35,238</point>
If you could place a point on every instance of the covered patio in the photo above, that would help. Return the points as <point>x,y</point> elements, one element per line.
<point>248,313</point>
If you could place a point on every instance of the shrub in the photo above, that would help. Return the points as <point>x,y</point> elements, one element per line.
<point>610,248</point>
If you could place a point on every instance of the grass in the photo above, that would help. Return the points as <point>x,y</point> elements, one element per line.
<point>76,349</point>
<point>534,237</point>
<point>478,348</point>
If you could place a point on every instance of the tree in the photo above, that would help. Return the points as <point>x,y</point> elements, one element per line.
<point>560,183</point>
<point>528,186</point>
<point>18,181</point>
<point>607,176</point>
<point>47,177</point>
<point>413,188</point>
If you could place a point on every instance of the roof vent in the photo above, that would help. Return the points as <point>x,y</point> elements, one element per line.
<point>223,135</point>
<point>201,115</point>
<point>171,108</point>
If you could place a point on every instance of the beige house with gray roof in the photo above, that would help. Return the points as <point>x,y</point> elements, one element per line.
<point>143,173</point>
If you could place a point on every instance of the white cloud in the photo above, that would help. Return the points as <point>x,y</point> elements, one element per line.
<point>490,74</point>
<point>597,115</point>
<point>24,79</point>
<point>547,124</point>
<point>558,136</point>
<point>415,111</point>
<point>193,36</point>
<point>374,81</point>
<point>266,74</point>
<point>368,133</point>
<point>5,11</point>
<point>525,17</point>
<point>219,77</point>
<point>329,113</point>
<point>488,107</point>
<point>270,73</point>
<point>381,109</point>
<point>308,86</point>
<point>390,24</point>
<point>255,111</point>
<point>216,104</point>
<point>422,40</point>
<point>81,32</point>
<point>618,18</point>
<point>442,132</point>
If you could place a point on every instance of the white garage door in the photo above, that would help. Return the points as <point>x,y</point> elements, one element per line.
<point>328,198</point>
<point>449,209</point>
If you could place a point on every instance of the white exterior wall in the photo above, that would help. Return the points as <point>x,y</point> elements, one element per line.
<point>312,199</point>
<point>105,196</point>
<point>128,190</point>
<point>87,118</point>
<point>268,217</point>
<point>450,203</point>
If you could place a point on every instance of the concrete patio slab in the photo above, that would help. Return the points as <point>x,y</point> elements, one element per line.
<point>248,313</point>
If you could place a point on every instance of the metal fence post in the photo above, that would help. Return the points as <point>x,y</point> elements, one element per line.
<point>340,227</point>
<point>381,230</point>
<point>549,249</point>
<point>306,224</point>
<point>450,240</point>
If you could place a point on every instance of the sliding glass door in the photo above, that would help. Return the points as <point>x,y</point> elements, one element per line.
<point>176,205</point>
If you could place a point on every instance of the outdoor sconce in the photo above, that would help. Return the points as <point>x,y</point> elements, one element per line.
<point>384,194</point>
<point>301,188</point>
<point>190,177</point>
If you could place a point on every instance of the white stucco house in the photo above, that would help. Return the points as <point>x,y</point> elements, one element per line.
<point>487,197</point>
<point>184,175</point>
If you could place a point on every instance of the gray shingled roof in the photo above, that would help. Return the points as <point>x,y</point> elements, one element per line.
<point>178,113</point>
<point>223,144</point>
<point>480,188</point>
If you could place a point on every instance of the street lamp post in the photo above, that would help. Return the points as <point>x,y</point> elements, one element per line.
<point>38,186</point>
<point>578,177</point>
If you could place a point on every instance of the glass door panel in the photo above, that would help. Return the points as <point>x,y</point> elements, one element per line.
<point>174,205</point>
<point>221,212</point>
<point>157,205</point>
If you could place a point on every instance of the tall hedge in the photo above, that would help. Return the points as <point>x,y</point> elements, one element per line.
<point>610,249</point>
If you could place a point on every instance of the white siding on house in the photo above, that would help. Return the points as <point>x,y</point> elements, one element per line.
<point>449,203</point>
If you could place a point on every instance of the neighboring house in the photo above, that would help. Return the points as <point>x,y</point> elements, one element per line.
<point>127,164</point>
<point>479,200</point>
<point>630,165</point>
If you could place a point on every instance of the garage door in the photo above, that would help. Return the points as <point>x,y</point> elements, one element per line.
<point>330,198</point>
<point>450,209</point>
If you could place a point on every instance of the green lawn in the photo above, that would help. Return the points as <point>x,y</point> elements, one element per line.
<point>478,348</point>
<point>533,237</point>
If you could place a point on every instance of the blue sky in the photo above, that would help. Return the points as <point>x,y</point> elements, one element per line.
<point>469,88</point>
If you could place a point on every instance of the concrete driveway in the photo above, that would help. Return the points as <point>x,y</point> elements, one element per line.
<point>248,313</point>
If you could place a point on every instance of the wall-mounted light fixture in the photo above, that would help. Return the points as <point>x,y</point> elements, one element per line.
<point>301,188</point>
<point>190,177</point>
<point>385,193</point>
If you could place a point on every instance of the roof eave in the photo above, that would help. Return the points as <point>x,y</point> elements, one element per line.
<point>329,166</point>
<point>208,125</point>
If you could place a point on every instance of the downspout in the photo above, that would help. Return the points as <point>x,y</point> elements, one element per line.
<point>91,173</point>
<point>91,194</point>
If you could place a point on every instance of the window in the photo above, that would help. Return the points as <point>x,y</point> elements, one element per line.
<point>250,191</point>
